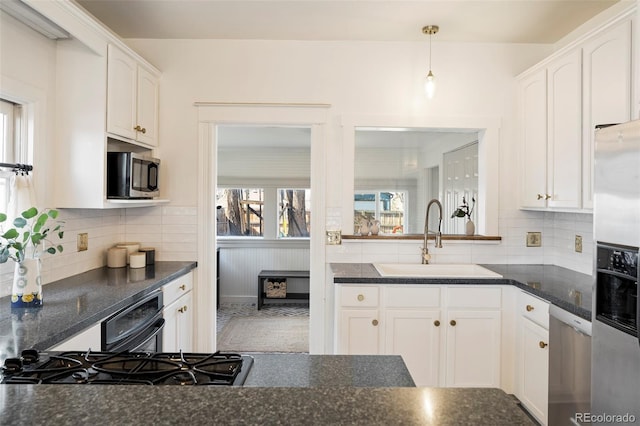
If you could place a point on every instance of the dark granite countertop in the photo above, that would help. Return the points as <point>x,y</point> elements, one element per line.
<point>303,370</point>
<point>73,304</point>
<point>567,289</point>
<point>164,405</point>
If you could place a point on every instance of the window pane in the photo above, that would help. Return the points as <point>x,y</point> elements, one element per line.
<point>387,207</point>
<point>7,138</point>
<point>239,212</point>
<point>294,213</point>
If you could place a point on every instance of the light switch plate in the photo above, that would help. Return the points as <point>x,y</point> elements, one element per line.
<point>534,239</point>
<point>578,244</point>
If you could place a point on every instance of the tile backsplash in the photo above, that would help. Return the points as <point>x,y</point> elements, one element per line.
<point>172,231</point>
<point>558,231</point>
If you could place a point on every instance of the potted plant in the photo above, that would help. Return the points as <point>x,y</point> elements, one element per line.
<point>464,211</point>
<point>25,243</point>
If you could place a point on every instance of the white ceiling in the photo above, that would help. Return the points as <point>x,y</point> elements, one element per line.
<point>506,21</point>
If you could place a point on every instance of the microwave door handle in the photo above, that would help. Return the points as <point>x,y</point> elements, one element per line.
<point>152,183</point>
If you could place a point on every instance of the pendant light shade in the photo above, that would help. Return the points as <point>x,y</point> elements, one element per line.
<point>430,81</point>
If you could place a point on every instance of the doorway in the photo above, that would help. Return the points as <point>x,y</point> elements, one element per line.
<point>263,210</point>
<point>211,116</point>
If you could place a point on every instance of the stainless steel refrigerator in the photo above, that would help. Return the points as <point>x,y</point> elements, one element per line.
<point>615,372</point>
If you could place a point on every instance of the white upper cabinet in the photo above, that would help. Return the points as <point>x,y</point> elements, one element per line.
<point>551,134</point>
<point>564,128</point>
<point>533,136</point>
<point>132,99</point>
<point>560,102</point>
<point>607,91</point>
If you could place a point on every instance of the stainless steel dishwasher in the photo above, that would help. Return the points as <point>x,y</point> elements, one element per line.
<point>569,367</point>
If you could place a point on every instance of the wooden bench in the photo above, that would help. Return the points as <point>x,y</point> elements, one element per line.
<point>263,275</point>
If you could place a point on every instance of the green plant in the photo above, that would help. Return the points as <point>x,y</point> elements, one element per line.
<point>464,209</point>
<point>29,235</point>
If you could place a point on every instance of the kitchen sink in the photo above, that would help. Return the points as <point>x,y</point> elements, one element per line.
<point>456,270</point>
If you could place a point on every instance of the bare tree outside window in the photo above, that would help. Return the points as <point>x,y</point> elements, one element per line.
<point>239,212</point>
<point>294,216</point>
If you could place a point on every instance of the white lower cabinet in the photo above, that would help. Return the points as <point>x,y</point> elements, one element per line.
<point>177,334</point>
<point>445,337</point>
<point>532,353</point>
<point>91,338</point>
<point>473,348</point>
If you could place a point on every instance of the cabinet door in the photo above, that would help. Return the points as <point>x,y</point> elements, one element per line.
<point>90,338</point>
<point>359,332</point>
<point>415,335</point>
<point>534,364</point>
<point>564,140</point>
<point>121,93</point>
<point>147,107</point>
<point>533,138</point>
<point>472,355</point>
<point>607,91</point>
<point>178,326</point>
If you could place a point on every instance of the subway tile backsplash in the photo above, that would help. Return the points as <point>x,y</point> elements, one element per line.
<point>172,231</point>
<point>558,237</point>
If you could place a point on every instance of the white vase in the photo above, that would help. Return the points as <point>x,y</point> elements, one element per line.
<point>470,228</point>
<point>27,284</point>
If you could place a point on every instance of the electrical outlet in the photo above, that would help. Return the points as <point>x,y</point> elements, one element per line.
<point>578,244</point>
<point>334,238</point>
<point>83,241</point>
<point>534,239</point>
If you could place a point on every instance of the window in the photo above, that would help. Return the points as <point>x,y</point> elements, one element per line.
<point>294,213</point>
<point>10,115</point>
<point>240,212</point>
<point>270,213</point>
<point>385,206</point>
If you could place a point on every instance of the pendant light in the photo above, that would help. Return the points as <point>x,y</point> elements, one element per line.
<point>430,83</point>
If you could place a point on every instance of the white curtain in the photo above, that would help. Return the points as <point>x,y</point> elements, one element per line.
<point>21,198</point>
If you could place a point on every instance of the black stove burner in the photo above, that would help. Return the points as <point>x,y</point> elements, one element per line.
<point>184,369</point>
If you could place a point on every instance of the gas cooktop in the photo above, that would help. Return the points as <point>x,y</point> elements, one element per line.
<point>127,368</point>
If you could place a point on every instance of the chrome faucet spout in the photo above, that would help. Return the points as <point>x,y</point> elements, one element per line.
<point>437,235</point>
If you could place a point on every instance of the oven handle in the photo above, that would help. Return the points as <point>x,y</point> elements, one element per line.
<point>139,340</point>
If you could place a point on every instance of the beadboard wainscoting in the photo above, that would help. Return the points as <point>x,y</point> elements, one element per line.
<point>241,263</point>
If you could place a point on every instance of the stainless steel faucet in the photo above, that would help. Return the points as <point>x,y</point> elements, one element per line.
<point>438,235</point>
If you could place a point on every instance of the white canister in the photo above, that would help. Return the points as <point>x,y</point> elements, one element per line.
<point>137,260</point>
<point>117,257</point>
<point>131,248</point>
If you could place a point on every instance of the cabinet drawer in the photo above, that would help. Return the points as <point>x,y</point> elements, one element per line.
<point>359,296</point>
<point>177,288</point>
<point>412,297</point>
<point>474,297</point>
<point>537,310</point>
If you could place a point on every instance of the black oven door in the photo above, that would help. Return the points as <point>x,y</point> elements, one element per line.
<point>136,327</point>
<point>149,340</point>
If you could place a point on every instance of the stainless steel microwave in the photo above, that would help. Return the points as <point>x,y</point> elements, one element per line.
<point>132,176</point>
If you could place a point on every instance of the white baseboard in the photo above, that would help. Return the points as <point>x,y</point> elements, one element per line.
<point>239,299</point>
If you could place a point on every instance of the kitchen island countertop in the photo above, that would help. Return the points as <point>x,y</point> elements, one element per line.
<point>162,405</point>
<point>304,370</point>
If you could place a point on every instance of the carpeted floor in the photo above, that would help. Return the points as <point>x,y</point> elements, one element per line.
<point>275,328</point>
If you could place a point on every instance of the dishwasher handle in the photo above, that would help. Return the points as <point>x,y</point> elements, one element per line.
<point>580,325</point>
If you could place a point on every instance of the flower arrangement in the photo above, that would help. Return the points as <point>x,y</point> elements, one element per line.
<point>28,238</point>
<point>464,210</point>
